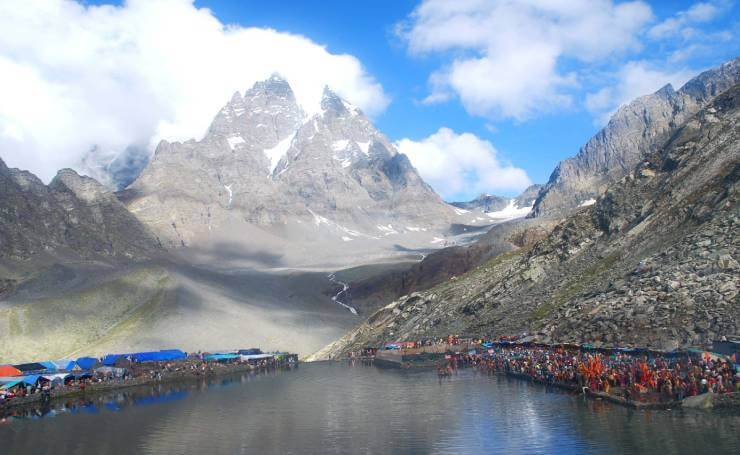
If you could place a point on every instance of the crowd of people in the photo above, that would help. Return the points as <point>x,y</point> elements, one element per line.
<point>635,376</point>
<point>632,374</point>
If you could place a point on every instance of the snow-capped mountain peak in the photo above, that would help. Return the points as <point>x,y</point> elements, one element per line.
<point>266,162</point>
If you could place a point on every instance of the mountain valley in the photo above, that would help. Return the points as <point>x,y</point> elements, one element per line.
<point>288,229</point>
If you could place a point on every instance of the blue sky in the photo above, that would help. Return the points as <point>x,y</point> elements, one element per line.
<point>483,96</point>
<point>366,30</point>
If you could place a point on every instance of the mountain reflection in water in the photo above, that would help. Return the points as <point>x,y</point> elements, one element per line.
<point>333,408</point>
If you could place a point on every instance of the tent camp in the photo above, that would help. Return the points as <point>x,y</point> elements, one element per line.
<point>9,370</point>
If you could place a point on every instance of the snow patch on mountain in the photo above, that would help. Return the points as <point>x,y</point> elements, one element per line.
<point>387,229</point>
<point>276,153</point>
<point>510,212</point>
<point>319,220</point>
<point>340,145</point>
<point>364,146</point>
<point>234,141</point>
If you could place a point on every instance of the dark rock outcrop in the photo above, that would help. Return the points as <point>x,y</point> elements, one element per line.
<point>74,215</point>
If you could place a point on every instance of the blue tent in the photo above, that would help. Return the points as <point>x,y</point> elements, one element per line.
<point>29,380</point>
<point>50,366</point>
<point>158,356</point>
<point>173,354</point>
<point>110,359</point>
<point>86,363</point>
<point>250,351</point>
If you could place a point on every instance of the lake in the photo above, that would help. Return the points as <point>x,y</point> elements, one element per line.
<point>336,408</point>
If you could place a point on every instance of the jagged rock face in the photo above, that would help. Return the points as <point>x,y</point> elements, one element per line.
<point>339,165</point>
<point>653,262</point>
<point>484,203</point>
<point>633,132</point>
<point>74,216</point>
<point>263,162</point>
<point>529,196</point>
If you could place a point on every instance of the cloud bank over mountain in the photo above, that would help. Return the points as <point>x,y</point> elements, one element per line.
<point>90,82</point>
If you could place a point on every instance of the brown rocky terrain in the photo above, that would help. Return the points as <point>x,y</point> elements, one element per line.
<point>654,262</point>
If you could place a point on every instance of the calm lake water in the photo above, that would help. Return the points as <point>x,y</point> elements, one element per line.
<point>335,408</point>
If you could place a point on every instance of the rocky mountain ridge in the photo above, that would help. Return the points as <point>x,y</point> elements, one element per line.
<point>73,215</point>
<point>264,162</point>
<point>653,262</point>
<point>633,132</point>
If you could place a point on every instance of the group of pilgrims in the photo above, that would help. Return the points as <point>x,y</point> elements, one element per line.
<point>642,377</point>
<point>633,374</point>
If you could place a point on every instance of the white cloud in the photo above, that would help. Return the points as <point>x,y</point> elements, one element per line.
<point>460,166</point>
<point>73,76</point>
<point>507,54</point>
<point>679,24</point>
<point>634,79</point>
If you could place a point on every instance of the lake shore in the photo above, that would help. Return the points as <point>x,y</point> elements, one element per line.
<point>146,376</point>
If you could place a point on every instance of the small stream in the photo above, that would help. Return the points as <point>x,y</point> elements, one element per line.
<point>345,287</point>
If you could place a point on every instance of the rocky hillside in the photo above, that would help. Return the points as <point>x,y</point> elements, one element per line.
<point>74,215</point>
<point>634,132</point>
<point>265,162</point>
<point>653,262</point>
